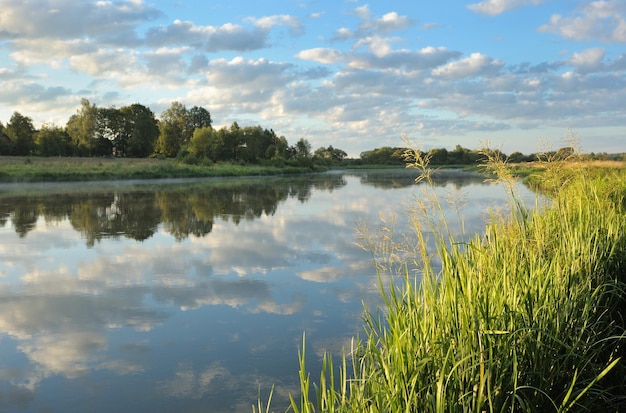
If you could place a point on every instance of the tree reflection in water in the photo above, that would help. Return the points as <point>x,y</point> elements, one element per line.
<point>185,295</point>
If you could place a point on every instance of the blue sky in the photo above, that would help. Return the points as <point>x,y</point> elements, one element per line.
<point>520,74</point>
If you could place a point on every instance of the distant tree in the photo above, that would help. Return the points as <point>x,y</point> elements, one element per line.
<point>329,154</point>
<point>565,153</point>
<point>279,149</point>
<point>173,130</point>
<point>200,143</point>
<point>111,131</point>
<point>52,140</point>
<point>321,153</point>
<point>142,130</point>
<point>6,144</point>
<point>232,141</point>
<point>458,155</point>
<point>383,156</point>
<point>21,131</point>
<point>255,142</point>
<point>438,156</point>
<point>197,117</point>
<point>82,128</point>
<point>218,151</point>
<point>517,157</point>
<point>303,149</point>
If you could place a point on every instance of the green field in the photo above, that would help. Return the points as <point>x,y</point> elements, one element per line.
<point>38,169</point>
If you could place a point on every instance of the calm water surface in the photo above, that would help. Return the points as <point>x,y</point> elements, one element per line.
<point>189,296</point>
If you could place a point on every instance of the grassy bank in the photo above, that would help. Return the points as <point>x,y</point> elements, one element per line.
<point>526,317</point>
<point>39,169</point>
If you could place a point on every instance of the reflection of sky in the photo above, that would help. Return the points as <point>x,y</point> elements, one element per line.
<point>200,323</point>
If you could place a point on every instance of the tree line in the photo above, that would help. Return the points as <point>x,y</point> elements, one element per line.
<point>187,134</point>
<point>464,156</point>
<point>134,131</point>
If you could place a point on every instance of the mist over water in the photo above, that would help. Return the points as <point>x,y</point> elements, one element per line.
<point>190,295</point>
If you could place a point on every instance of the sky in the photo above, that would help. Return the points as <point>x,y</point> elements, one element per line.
<point>520,75</point>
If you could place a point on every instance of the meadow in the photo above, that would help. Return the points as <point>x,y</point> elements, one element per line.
<point>38,169</point>
<point>525,317</point>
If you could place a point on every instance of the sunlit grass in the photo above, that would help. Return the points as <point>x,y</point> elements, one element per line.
<point>523,318</point>
<point>32,169</point>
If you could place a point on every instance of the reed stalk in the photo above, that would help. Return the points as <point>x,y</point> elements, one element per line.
<point>523,318</point>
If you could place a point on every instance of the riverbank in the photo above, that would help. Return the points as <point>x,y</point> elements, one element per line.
<point>66,169</point>
<point>525,317</point>
<point>57,169</point>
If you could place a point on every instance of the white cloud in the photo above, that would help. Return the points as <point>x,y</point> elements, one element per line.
<point>388,23</point>
<point>269,22</point>
<point>426,58</point>
<point>589,60</point>
<point>391,22</point>
<point>322,55</point>
<point>208,38</point>
<point>494,7</point>
<point>379,46</point>
<point>68,19</point>
<point>476,64</point>
<point>603,20</point>
<point>245,76</point>
<point>53,52</point>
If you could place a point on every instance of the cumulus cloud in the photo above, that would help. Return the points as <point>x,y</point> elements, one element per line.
<point>322,55</point>
<point>426,58</point>
<point>388,23</point>
<point>247,85</point>
<point>602,20</point>
<point>207,38</point>
<point>267,23</point>
<point>589,60</point>
<point>494,7</point>
<point>476,64</point>
<point>67,19</point>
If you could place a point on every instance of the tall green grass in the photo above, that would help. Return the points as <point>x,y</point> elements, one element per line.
<point>523,318</point>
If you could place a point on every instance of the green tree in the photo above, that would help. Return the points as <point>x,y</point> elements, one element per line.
<point>111,129</point>
<point>517,157</point>
<point>302,152</point>
<point>438,156</point>
<point>233,141</point>
<point>330,154</point>
<point>142,130</point>
<point>256,141</point>
<point>52,140</point>
<point>82,127</point>
<point>172,130</point>
<point>279,148</point>
<point>21,131</point>
<point>218,150</point>
<point>197,117</point>
<point>200,143</point>
<point>383,156</point>
<point>6,144</point>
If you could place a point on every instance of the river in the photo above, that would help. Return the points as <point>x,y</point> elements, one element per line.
<point>192,295</point>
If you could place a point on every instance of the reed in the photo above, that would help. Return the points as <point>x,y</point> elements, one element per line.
<point>523,318</point>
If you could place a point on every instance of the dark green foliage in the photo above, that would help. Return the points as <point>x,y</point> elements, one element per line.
<point>53,141</point>
<point>21,132</point>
